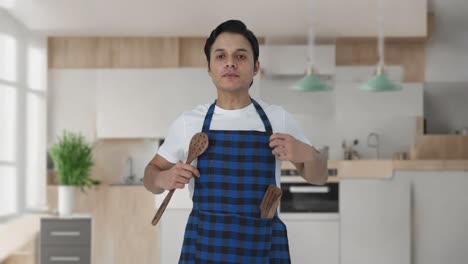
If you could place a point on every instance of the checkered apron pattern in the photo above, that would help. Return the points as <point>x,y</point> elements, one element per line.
<point>225,225</point>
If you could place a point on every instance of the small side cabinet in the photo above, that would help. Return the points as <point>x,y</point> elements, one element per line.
<point>65,240</point>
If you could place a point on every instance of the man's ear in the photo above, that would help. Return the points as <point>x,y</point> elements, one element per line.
<point>256,67</point>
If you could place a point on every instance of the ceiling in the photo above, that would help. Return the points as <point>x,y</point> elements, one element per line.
<point>333,18</point>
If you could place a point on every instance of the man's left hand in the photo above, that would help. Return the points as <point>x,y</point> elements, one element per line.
<point>287,147</point>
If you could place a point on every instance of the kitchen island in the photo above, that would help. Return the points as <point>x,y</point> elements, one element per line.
<point>399,211</point>
<point>403,211</point>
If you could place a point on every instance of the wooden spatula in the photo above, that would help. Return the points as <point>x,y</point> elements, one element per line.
<point>198,145</point>
<point>270,201</point>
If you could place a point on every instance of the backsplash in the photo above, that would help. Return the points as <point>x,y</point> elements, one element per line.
<point>111,158</point>
<point>347,113</point>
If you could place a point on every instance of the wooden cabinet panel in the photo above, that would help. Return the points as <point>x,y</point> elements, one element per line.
<point>122,230</point>
<point>192,53</point>
<point>363,51</point>
<point>113,52</point>
<point>72,52</point>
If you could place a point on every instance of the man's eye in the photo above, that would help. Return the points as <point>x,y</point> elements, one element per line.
<point>220,57</point>
<point>242,57</point>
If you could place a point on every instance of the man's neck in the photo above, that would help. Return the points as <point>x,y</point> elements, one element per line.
<point>233,101</point>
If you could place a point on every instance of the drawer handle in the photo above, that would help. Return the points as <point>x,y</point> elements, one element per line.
<point>309,189</point>
<point>64,258</point>
<point>65,233</point>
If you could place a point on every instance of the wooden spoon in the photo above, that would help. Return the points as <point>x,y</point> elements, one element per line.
<point>270,201</point>
<point>198,145</point>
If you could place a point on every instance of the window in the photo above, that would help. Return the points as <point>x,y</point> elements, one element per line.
<point>23,71</point>
<point>8,125</point>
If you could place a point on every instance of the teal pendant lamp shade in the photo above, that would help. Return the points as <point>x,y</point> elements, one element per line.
<point>311,83</point>
<point>380,83</point>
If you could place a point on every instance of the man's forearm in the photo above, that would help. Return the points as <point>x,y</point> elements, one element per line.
<point>314,170</point>
<point>149,180</point>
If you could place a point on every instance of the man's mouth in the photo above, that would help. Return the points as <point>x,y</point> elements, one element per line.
<point>230,75</point>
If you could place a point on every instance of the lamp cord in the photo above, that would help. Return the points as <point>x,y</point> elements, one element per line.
<point>380,22</point>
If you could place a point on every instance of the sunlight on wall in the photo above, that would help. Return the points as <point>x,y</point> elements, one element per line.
<point>8,4</point>
<point>8,123</point>
<point>8,190</point>
<point>37,71</point>
<point>8,60</point>
<point>35,154</point>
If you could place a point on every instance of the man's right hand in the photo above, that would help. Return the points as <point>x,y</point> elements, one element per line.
<point>176,177</point>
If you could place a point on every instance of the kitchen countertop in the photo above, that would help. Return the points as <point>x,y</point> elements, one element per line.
<point>310,216</point>
<point>383,168</point>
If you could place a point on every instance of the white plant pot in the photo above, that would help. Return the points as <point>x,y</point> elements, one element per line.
<point>66,199</point>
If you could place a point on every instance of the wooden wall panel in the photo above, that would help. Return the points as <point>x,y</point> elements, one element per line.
<point>113,52</point>
<point>191,52</point>
<point>410,53</point>
<point>444,147</point>
<point>73,52</point>
<point>433,146</point>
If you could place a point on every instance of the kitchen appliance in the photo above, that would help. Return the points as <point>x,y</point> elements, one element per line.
<point>302,197</point>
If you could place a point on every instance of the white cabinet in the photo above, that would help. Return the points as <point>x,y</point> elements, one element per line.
<point>375,221</point>
<point>313,240</point>
<point>173,224</point>
<point>292,59</point>
<point>71,103</point>
<point>142,103</point>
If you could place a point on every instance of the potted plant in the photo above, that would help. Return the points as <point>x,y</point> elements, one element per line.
<point>73,160</point>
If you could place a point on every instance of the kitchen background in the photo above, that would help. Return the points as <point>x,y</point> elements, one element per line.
<point>123,90</point>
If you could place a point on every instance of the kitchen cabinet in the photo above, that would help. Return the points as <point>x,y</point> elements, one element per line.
<point>65,240</point>
<point>172,226</point>
<point>291,60</point>
<point>313,238</point>
<point>142,103</point>
<point>375,221</point>
<point>121,223</point>
<point>72,104</point>
<point>172,223</point>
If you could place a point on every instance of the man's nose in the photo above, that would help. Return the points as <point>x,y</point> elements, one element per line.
<point>230,64</point>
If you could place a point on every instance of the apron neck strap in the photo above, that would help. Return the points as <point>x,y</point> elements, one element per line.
<point>261,113</point>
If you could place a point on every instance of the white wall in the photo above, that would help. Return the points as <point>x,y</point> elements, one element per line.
<point>346,113</point>
<point>446,52</point>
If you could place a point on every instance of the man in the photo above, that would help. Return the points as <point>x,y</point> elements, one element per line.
<point>248,139</point>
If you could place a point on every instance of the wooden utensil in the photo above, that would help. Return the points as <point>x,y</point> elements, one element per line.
<point>270,201</point>
<point>198,145</point>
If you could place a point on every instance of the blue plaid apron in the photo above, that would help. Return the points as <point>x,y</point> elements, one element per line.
<point>225,225</point>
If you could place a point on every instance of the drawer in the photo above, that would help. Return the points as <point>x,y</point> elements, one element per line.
<point>65,232</point>
<point>65,255</point>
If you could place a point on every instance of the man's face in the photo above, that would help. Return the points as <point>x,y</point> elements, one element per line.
<point>232,63</point>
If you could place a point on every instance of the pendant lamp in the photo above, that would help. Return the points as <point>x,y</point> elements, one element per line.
<point>380,82</point>
<point>311,82</point>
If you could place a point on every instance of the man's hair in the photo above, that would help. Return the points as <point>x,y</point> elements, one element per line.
<point>231,26</point>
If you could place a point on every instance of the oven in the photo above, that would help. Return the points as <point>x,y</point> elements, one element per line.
<point>302,197</point>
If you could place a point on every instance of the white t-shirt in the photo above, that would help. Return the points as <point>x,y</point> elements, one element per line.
<point>175,146</point>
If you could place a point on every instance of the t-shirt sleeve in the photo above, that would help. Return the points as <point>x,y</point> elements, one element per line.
<point>172,148</point>
<point>292,127</point>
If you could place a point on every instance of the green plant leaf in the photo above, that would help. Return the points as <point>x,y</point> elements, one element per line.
<point>73,159</point>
